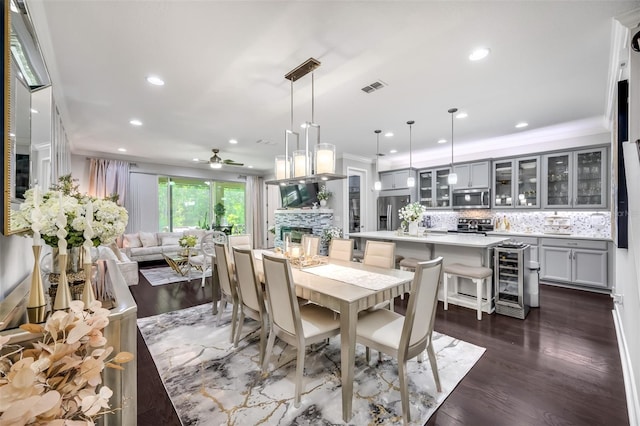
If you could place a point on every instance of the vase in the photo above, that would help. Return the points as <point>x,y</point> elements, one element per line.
<point>36,306</point>
<point>413,228</point>
<point>63,293</point>
<point>323,203</point>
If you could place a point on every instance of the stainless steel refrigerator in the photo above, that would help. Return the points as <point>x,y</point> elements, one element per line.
<point>388,207</point>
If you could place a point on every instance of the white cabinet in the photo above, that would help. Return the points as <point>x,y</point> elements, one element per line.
<point>575,179</point>
<point>472,175</point>
<point>434,191</point>
<point>396,179</point>
<point>579,262</point>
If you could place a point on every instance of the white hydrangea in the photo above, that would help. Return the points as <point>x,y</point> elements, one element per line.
<point>412,212</point>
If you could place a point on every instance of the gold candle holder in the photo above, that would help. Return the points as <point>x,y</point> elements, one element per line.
<point>88,297</point>
<point>63,294</point>
<point>36,306</point>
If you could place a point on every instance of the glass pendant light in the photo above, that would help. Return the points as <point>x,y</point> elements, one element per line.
<point>377,186</point>
<point>453,177</point>
<point>411,181</point>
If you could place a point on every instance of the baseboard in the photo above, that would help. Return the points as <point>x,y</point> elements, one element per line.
<point>631,390</point>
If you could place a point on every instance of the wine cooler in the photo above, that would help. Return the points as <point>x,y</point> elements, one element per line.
<point>511,279</point>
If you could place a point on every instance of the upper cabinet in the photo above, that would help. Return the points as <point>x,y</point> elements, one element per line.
<point>433,189</point>
<point>472,175</point>
<point>575,179</point>
<point>516,183</point>
<point>396,179</point>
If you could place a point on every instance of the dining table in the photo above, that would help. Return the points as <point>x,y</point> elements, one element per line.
<point>347,288</point>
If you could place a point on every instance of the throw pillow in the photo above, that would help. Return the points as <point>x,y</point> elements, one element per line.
<point>131,241</point>
<point>170,241</point>
<point>198,233</point>
<point>148,239</point>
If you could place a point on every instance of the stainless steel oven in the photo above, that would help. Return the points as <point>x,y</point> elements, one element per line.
<point>476,198</point>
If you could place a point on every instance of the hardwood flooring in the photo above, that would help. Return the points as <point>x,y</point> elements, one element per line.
<point>560,366</point>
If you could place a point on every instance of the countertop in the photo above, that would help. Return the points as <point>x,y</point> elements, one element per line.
<point>463,240</point>
<point>543,235</point>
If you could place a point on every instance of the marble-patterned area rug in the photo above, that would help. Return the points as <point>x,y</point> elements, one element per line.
<point>165,275</point>
<point>212,383</point>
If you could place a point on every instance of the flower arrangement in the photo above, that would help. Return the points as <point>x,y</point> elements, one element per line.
<point>323,194</point>
<point>330,233</point>
<point>64,213</point>
<point>188,241</point>
<point>412,212</point>
<point>57,382</point>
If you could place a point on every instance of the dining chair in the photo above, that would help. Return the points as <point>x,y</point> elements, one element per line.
<point>341,249</point>
<point>250,296</point>
<point>203,262</point>
<point>242,241</point>
<point>228,293</point>
<point>406,337</point>
<point>310,244</point>
<point>296,325</point>
<point>383,255</point>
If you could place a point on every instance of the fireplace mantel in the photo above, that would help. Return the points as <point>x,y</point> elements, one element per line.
<point>304,211</point>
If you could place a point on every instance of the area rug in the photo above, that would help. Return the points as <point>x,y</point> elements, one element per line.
<point>166,275</point>
<point>212,383</point>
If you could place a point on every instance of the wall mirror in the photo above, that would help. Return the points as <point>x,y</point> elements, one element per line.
<point>28,111</point>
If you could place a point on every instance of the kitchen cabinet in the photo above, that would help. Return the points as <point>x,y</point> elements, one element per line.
<point>433,189</point>
<point>472,175</point>
<point>396,179</point>
<point>516,183</point>
<point>575,179</point>
<point>578,262</point>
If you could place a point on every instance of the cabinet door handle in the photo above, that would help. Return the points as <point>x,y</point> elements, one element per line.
<point>569,255</point>
<point>572,244</point>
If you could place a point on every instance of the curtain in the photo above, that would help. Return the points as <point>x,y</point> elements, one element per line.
<point>254,209</point>
<point>108,177</point>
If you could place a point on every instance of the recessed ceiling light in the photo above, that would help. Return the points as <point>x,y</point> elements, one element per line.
<point>479,53</point>
<point>393,151</point>
<point>196,159</point>
<point>135,122</point>
<point>388,134</point>
<point>233,141</point>
<point>122,149</point>
<point>521,125</point>
<point>251,167</point>
<point>442,141</point>
<point>34,111</point>
<point>155,80</point>
<point>462,115</point>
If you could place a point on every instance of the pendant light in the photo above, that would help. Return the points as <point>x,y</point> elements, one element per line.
<point>453,177</point>
<point>411,181</point>
<point>377,186</point>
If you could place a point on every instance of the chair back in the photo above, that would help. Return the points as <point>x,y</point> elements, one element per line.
<point>224,269</point>
<point>206,245</point>
<point>242,241</point>
<point>248,291</point>
<point>341,249</point>
<point>281,296</point>
<point>380,254</point>
<point>310,244</point>
<point>421,308</point>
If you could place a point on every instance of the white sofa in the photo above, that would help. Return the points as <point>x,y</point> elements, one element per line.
<point>128,268</point>
<point>145,246</point>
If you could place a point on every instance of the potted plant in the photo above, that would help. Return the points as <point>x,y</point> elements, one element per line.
<point>323,195</point>
<point>219,212</point>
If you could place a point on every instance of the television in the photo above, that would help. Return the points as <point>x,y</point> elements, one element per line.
<point>299,195</point>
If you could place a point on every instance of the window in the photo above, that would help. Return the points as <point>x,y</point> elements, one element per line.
<point>186,203</point>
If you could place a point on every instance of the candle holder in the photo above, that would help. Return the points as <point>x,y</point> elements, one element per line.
<point>36,306</point>
<point>63,293</point>
<point>88,295</point>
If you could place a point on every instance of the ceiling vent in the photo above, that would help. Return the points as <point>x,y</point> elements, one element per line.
<point>266,142</point>
<point>376,85</point>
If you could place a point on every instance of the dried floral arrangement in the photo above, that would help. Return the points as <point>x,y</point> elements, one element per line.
<point>58,381</point>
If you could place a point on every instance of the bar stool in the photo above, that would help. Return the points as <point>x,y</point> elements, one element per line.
<point>358,255</point>
<point>478,274</point>
<point>410,263</point>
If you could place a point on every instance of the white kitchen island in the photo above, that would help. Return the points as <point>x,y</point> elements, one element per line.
<point>468,249</point>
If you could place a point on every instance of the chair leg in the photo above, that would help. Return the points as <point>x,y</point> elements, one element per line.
<point>299,374</point>
<point>222,304</point>
<point>478,283</point>
<point>263,339</point>
<point>367,354</point>
<point>239,328</point>
<point>434,366</point>
<point>204,270</point>
<point>446,291</point>
<point>404,392</point>
<point>234,314</point>
<point>272,339</point>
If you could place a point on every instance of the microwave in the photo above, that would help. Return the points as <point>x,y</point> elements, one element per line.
<point>475,198</point>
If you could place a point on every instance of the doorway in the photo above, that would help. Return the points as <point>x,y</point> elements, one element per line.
<point>356,200</point>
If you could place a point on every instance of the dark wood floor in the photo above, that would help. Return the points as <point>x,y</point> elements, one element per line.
<point>560,366</point>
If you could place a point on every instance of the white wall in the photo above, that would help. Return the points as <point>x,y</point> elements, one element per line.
<point>16,262</point>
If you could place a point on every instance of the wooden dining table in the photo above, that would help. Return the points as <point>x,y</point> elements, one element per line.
<point>376,285</point>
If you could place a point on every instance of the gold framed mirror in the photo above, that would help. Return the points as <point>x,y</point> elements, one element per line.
<point>27,112</point>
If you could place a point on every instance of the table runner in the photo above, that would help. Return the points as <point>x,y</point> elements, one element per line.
<point>366,279</point>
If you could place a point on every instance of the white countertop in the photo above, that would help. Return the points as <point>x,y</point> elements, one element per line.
<point>464,240</point>
<point>542,235</point>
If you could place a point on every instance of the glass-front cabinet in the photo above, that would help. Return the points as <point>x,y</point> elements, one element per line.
<point>575,179</point>
<point>434,190</point>
<point>516,183</point>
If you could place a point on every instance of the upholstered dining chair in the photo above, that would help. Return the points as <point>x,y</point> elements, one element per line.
<point>341,249</point>
<point>203,262</point>
<point>242,241</point>
<point>379,253</point>
<point>250,296</point>
<point>406,337</point>
<point>228,293</point>
<point>296,325</point>
<point>310,242</point>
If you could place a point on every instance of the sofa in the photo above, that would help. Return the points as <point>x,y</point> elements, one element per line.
<point>146,246</point>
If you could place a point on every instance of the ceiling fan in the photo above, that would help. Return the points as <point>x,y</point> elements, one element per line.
<point>215,162</point>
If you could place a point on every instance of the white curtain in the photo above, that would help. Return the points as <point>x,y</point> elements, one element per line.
<point>255,225</point>
<point>107,177</point>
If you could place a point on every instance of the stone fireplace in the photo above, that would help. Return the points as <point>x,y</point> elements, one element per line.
<point>298,222</point>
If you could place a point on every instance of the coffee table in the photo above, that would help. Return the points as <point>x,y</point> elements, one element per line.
<point>179,261</point>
